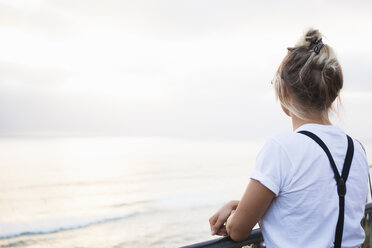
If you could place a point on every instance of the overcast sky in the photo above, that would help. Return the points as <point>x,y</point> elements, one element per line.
<point>192,68</point>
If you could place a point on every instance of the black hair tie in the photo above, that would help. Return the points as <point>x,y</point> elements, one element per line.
<point>316,45</point>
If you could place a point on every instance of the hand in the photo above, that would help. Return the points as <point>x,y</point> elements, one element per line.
<point>218,220</point>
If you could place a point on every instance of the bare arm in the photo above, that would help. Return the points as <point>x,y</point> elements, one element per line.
<point>253,205</point>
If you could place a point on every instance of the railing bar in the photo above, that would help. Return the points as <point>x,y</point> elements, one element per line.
<point>226,242</point>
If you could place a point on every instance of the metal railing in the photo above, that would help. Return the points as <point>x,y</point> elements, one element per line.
<point>255,239</point>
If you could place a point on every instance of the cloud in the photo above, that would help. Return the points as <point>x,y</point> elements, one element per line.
<point>17,75</point>
<point>34,17</point>
<point>357,70</point>
<point>165,68</point>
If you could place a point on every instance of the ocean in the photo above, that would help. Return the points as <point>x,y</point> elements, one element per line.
<point>116,191</point>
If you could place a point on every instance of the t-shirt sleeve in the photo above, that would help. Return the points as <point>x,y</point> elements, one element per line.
<point>272,167</point>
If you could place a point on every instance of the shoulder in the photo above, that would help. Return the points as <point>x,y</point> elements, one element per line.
<point>280,148</point>
<point>286,141</point>
<point>359,145</point>
<point>360,154</point>
<point>291,147</point>
<point>274,166</point>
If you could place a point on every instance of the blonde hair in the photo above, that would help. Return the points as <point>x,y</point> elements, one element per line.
<point>312,77</point>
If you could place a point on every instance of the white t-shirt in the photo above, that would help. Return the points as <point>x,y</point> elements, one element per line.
<point>305,210</point>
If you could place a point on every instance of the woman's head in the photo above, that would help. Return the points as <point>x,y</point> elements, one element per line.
<point>309,78</point>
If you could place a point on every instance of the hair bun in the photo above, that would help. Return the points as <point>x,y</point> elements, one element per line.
<point>311,36</point>
<point>312,75</point>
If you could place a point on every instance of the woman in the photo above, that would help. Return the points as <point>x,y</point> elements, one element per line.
<point>293,190</point>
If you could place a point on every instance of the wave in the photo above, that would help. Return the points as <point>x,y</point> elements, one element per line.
<point>12,230</point>
<point>125,204</point>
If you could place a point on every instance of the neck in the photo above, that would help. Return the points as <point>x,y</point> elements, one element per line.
<point>297,122</point>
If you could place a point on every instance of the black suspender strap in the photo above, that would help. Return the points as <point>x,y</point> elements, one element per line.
<point>340,180</point>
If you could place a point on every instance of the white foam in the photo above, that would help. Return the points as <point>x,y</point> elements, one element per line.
<point>44,226</point>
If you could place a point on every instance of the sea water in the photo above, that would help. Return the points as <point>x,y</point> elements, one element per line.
<point>117,191</point>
